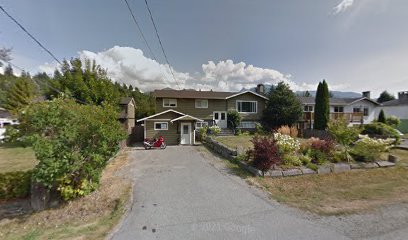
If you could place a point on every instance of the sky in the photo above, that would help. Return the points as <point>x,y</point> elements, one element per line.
<point>356,45</point>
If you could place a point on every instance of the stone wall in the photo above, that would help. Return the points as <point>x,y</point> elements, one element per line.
<point>220,148</point>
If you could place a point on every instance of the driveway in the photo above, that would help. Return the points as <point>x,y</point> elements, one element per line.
<point>179,195</point>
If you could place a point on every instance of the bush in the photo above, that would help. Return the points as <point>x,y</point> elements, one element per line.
<point>343,134</point>
<point>15,184</point>
<point>291,160</point>
<point>286,144</point>
<point>380,130</point>
<point>203,133</point>
<point>312,166</point>
<point>266,153</point>
<point>72,143</point>
<point>305,159</point>
<point>318,157</point>
<point>215,130</point>
<point>290,131</point>
<point>234,119</point>
<point>259,129</point>
<point>369,149</point>
<point>393,121</point>
<point>238,132</point>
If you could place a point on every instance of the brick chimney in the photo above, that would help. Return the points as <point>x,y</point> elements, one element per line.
<point>403,96</point>
<point>260,88</point>
<point>367,94</point>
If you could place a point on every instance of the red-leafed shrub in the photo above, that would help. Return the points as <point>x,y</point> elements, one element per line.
<point>266,153</point>
<point>326,146</point>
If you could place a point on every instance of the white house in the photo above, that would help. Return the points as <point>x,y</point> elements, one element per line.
<point>397,107</point>
<point>5,120</point>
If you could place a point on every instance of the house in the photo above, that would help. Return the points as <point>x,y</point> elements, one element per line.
<point>397,107</point>
<point>6,119</point>
<point>127,113</point>
<point>180,112</point>
<point>360,110</point>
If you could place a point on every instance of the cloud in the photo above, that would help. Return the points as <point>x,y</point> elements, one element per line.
<point>130,66</point>
<point>342,6</point>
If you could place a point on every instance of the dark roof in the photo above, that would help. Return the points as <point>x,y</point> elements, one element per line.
<point>334,101</point>
<point>125,100</point>
<point>171,93</point>
<point>4,113</point>
<point>396,102</point>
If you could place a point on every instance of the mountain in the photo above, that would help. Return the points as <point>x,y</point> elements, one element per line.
<point>336,94</point>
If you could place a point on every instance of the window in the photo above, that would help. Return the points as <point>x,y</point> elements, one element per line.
<point>366,111</point>
<point>356,109</point>
<point>161,126</point>
<point>201,124</point>
<point>169,102</point>
<point>338,109</point>
<point>247,106</point>
<point>216,116</point>
<point>201,103</point>
<point>308,108</point>
<point>247,125</point>
<point>223,116</point>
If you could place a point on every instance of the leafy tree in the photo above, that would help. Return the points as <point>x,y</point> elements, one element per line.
<point>72,143</point>
<point>322,107</point>
<point>234,119</point>
<point>381,117</point>
<point>282,107</point>
<point>343,134</point>
<point>385,96</point>
<point>20,95</point>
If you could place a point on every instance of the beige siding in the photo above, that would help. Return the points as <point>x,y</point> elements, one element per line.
<point>248,97</point>
<point>187,106</point>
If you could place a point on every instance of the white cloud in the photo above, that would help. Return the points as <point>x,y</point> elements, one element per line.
<point>342,6</point>
<point>130,66</point>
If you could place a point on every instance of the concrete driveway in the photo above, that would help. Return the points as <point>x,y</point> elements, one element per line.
<point>179,195</point>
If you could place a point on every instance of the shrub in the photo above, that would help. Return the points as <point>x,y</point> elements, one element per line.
<point>259,129</point>
<point>286,144</point>
<point>381,130</point>
<point>370,149</point>
<point>326,146</point>
<point>290,131</point>
<point>266,153</point>
<point>215,130</point>
<point>312,166</point>
<point>305,159</point>
<point>393,121</point>
<point>238,132</point>
<point>15,184</point>
<point>234,119</point>
<point>203,133</point>
<point>291,160</point>
<point>343,134</point>
<point>381,117</point>
<point>72,143</point>
<point>318,157</point>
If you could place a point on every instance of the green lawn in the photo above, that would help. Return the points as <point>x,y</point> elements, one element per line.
<point>14,157</point>
<point>234,142</point>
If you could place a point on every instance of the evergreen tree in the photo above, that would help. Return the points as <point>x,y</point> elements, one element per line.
<point>385,96</point>
<point>381,117</point>
<point>306,94</point>
<point>322,106</point>
<point>20,95</point>
<point>8,71</point>
<point>282,107</point>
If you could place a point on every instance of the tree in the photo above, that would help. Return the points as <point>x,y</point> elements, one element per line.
<point>5,55</point>
<point>20,95</point>
<point>381,117</point>
<point>8,71</point>
<point>282,107</point>
<point>322,107</point>
<point>306,94</point>
<point>385,96</point>
<point>234,119</point>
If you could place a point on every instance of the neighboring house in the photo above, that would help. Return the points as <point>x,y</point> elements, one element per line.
<point>180,112</point>
<point>127,114</point>
<point>355,110</point>
<point>398,108</point>
<point>5,120</point>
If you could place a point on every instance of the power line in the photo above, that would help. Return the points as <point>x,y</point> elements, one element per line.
<point>144,40</point>
<point>29,34</point>
<point>160,42</point>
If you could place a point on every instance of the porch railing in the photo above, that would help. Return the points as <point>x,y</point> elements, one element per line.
<point>350,117</point>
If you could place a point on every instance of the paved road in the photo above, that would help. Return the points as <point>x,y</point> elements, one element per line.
<point>179,195</point>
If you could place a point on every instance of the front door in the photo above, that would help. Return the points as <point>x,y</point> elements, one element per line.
<point>185,137</point>
<point>220,118</point>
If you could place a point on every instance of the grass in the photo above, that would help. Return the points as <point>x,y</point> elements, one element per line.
<point>90,217</point>
<point>14,157</point>
<point>234,142</point>
<point>334,194</point>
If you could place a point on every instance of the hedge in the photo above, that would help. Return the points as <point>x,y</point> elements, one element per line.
<point>15,184</point>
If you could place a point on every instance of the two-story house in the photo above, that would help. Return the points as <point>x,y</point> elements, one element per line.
<point>180,112</point>
<point>360,110</point>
